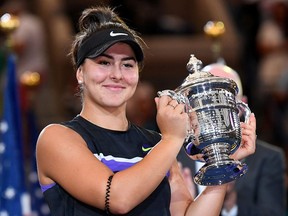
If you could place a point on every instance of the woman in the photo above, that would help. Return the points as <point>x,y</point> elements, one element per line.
<point>99,163</point>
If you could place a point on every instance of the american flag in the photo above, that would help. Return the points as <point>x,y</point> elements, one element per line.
<point>38,205</point>
<point>20,194</point>
<point>12,176</point>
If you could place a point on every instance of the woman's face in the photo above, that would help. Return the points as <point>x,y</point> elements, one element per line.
<point>110,79</point>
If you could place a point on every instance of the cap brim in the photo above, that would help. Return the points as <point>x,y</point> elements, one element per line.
<point>134,45</point>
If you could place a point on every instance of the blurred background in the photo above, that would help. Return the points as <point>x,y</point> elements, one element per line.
<point>254,43</point>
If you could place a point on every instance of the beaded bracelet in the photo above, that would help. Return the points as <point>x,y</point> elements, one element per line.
<point>107,197</point>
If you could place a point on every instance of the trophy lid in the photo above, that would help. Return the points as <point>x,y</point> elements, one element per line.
<point>204,79</point>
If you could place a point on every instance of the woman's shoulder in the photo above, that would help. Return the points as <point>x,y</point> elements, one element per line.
<point>56,133</point>
<point>54,129</point>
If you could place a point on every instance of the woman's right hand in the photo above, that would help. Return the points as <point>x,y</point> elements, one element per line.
<point>172,119</point>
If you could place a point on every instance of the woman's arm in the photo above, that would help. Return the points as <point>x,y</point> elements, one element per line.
<point>209,202</point>
<point>63,157</point>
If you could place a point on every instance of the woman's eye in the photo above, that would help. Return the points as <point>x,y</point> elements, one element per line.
<point>128,65</point>
<point>103,62</point>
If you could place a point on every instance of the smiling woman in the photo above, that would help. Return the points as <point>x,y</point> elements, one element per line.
<point>115,81</point>
<point>99,162</point>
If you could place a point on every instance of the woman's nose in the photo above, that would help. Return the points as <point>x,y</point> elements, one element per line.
<point>116,73</point>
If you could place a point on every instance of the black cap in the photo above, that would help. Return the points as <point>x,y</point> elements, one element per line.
<point>100,41</point>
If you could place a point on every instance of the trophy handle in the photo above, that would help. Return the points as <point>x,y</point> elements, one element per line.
<point>244,111</point>
<point>180,98</point>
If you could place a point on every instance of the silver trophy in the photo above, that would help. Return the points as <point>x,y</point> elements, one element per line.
<point>215,130</point>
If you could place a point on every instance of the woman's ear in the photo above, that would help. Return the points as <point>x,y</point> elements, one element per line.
<point>79,75</point>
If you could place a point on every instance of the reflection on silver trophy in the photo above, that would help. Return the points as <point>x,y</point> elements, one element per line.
<point>215,128</point>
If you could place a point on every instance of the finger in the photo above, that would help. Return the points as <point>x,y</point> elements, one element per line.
<point>173,102</point>
<point>252,120</point>
<point>248,143</point>
<point>249,136</point>
<point>173,107</point>
<point>197,157</point>
<point>246,130</point>
<point>156,99</point>
<point>247,126</point>
<point>163,101</point>
<point>179,108</point>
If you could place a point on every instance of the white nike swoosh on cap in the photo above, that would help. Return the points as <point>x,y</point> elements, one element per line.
<point>112,34</point>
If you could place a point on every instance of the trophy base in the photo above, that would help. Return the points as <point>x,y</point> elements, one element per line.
<point>220,172</point>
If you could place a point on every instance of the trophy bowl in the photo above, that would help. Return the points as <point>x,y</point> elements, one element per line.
<point>215,130</point>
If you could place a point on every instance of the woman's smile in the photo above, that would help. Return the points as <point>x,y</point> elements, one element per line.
<point>114,87</point>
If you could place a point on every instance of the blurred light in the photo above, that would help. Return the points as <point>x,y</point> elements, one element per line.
<point>9,23</point>
<point>30,78</point>
<point>214,29</point>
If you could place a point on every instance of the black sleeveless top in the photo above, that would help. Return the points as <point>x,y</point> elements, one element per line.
<point>118,150</point>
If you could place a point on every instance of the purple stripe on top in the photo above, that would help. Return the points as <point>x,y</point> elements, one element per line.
<point>46,187</point>
<point>117,166</point>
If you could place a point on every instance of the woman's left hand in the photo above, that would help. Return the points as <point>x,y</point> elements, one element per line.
<point>248,142</point>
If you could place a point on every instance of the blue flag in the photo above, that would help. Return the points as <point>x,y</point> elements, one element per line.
<point>12,178</point>
<point>38,205</point>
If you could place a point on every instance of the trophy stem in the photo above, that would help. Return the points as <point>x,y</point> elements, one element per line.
<point>219,167</point>
<point>216,152</point>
